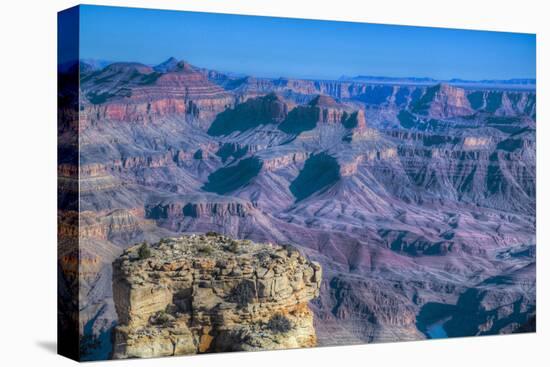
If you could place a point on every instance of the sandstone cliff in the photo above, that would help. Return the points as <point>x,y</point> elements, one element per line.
<point>200,293</point>
<point>442,101</point>
<point>136,93</point>
<point>322,110</point>
<point>250,114</point>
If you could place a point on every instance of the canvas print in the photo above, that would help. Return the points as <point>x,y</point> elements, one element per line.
<point>241,183</point>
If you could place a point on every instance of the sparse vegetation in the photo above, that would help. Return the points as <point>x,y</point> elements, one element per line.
<point>205,249</point>
<point>243,294</point>
<point>163,241</point>
<point>264,257</point>
<point>234,247</point>
<point>144,252</point>
<point>291,249</point>
<point>161,318</point>
<point>279,324</point>
<point>211,234</point>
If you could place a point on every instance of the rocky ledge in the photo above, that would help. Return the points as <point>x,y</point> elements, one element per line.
<point>210,293</point>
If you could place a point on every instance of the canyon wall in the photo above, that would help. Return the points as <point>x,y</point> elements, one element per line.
<point>406,194</point>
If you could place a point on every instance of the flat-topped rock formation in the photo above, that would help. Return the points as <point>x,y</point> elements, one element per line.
<point>461,101</point>
<point>269,109</point>
<point>322,110</point>
<point>442,101</point>
<point>210,293</point>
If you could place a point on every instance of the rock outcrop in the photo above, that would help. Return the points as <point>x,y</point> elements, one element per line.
<point>269,109</point>
<point>498,305</point>
<point>133,92</point>
<point>209,293</point>
<point>322,110</point>
<point>443,101</point>
<point>203,206</point>
<point>508,102</point>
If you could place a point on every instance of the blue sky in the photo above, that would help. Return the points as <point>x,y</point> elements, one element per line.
<point>273,47</point>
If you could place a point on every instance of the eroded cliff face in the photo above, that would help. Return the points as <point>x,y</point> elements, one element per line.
<point>199,294</point>
<point>443,101</point>
<point>136,93</point>
<point>322,110</point>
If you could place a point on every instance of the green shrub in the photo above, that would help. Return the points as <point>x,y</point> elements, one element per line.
<point>264,257</point>
<point>205,249</point>
<point>279,324</point>
<point>161,318</point>
<point>211,234</point>
<point>243,294</point>
<point>144,252</point>
<point>234,247</point>
<point>290,248</point>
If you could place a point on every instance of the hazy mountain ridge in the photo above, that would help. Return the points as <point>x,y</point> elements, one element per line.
<point>224,77</point>
<point>519,83</point>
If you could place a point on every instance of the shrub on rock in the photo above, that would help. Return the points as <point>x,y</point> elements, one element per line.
<point>279,324</point>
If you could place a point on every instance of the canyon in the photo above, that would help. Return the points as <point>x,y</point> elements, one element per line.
<point>418,200</point>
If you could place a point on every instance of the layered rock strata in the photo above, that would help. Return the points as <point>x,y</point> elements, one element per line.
<point>443,101</point>
<point>322,110</point>
<point>199,294</point>
<point>409,212</point>
<point>133,92</point>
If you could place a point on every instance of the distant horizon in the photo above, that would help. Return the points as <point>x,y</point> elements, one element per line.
<point>270,47</point>
<point>340,78</point>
